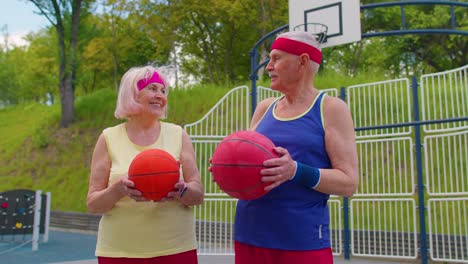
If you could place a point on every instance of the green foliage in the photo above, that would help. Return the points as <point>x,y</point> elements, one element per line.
<point>40,139</point>
<point>216,36</point>
<point>416,53</point>
<point>96,109</point>
<point>30,74</point>
<point>210,41</point>
<point>11,63</point>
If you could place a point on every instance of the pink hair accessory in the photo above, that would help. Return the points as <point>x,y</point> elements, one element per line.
<point>155,78</point>
<point>297,48</point>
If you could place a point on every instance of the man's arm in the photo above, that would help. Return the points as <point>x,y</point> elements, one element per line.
<point>342,179</point>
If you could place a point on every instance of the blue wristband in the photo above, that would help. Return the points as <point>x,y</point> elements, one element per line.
<point>306,175</point>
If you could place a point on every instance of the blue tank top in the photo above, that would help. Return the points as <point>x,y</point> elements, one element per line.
<point>291,216</point>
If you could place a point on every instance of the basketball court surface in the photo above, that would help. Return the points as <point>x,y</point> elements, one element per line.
<point>78,248</point>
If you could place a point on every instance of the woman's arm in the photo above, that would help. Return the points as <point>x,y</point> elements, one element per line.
<point>194,193</point>
<point>101,198</point>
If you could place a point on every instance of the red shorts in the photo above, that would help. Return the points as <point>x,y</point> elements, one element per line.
<point>247,254</point>
<point>188,257</point>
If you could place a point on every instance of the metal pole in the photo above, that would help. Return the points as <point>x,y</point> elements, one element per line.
<point>347,232</point>
<point>254,65</point>
<point>37,220</point>
<point>421,186</point>
<point>253,77</point>
<point>47,217</point>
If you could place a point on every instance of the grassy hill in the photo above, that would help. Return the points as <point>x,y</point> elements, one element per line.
<point>36,154</point>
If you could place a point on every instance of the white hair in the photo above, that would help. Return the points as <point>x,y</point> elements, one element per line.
<point>307,38</point>
<point>127,104</point>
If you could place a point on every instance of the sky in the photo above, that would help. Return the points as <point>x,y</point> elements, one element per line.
<point>20,19</point>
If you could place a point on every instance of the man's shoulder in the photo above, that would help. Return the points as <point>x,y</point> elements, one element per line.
<point>335,111</point>
<point>265,103</point>
<point>334,102</point>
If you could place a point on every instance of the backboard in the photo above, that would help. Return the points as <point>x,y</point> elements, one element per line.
<point>342,17</point>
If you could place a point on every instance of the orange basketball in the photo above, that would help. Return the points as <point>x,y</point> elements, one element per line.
<point>237,162</point>
<point>154,172</point>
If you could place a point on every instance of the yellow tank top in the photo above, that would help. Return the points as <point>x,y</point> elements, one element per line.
<point>143,229</point>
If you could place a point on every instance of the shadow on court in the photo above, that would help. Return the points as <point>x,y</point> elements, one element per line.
<point>78,248</point>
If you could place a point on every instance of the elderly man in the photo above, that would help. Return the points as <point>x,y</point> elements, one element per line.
<point>314,137</point>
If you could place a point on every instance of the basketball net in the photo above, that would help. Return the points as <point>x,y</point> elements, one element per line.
<point>318,30</point>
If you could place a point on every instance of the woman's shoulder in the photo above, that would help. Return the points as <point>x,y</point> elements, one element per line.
<point>170,126</point>
<point>113,129</point>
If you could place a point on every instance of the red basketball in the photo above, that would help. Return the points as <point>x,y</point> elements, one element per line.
<point>237,162</point>
<point>154,172</point>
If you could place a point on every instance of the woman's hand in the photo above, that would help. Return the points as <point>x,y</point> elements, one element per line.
<point>180,191</point>
<point>127,188</point>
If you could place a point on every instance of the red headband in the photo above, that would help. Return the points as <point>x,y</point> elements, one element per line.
<point>155,78</point>
<point>297,48</point>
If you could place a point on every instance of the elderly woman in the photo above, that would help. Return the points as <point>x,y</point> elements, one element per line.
<point>133,229</point>
<point>314,137</point>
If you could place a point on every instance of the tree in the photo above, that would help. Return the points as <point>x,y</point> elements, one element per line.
<point>215,36</point>
<point>39,78</point>
<point>10,61</point>
<point>403,55</point>
<point>58,13</point>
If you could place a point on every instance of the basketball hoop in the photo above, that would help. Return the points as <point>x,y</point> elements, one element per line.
<point>319,30</point>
